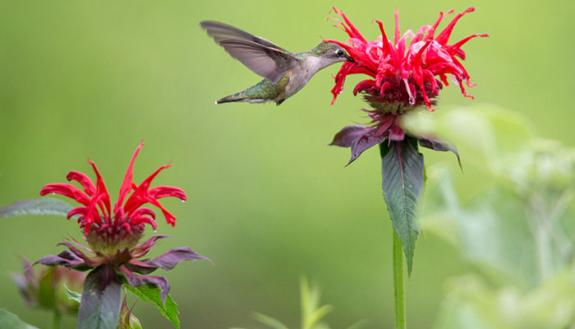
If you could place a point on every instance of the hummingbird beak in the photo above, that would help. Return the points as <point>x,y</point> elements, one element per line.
<point>349,59</point>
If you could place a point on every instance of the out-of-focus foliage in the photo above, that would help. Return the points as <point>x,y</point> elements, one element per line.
<point>312,312</point>
<point>49,288</point>
<point>127,318</point>
<point>518,231</point>
<point>12,321</point>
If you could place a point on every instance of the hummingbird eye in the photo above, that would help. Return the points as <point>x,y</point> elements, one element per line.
<point>339,52</point>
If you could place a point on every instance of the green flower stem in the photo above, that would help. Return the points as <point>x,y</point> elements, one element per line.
<point>57,320</point>
<point>398,284</point>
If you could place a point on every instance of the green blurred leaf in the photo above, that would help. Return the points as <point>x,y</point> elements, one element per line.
<point>127,318</point>
<point>471,303</point>
<point>11,321</point>
<point>312,312</point>
<point>73,295</point>
<point>269,321</point>
<point>47,289</point>
<point>168,309</point>
<point>101,299</point>
<point>44,206</point>
<point>484,133</point>
<point>403,179</point>
<point>491,233</point>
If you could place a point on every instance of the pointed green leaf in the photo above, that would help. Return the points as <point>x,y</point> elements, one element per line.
<point>149,293</point>
<point>269,321</point>
<point>45,206</point>
<point>402,183</point>
<point>73,295</point>
<point>314,318</point>
<point>312,312</point>
<point>101,300</point>
<point>12,321</point>
<point>127,318</point>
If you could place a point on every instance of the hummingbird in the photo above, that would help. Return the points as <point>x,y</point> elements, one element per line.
<point>284,73</point>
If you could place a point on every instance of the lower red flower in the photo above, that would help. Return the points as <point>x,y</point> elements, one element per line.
<point>113,232</point>
<point>109,229</point>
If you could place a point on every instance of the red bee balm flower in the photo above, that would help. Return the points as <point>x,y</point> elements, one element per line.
<point>404,75</point>
<point>107,230</point>
<point>113,233</point>
<point>407,74</point>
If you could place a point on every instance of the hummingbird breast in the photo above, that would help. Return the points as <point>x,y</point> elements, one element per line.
<point>300,75</point>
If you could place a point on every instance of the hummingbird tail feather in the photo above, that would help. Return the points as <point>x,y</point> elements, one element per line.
<point>229,99</point>
<point>239,97</point>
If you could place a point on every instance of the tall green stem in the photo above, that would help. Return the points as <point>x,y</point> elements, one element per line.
<point>398,284</point>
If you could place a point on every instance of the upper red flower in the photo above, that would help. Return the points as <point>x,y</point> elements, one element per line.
<point>129,215</point>
<point>409,73</point>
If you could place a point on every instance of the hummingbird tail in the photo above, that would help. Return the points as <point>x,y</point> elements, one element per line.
<point>230,99</point>
<point>240,97</point>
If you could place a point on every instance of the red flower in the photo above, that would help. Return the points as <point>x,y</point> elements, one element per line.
<point>108,228</point>
<point>114,254</point>
<point>404,74</point>
<point>410,73</point>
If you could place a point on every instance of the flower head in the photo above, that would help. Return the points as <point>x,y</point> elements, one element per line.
<point>405,72</point>
<point>123,225</point>
<point>409,69</point>
<point>113,233</point>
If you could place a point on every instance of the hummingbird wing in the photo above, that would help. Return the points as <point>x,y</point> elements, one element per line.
<point>259,55</point>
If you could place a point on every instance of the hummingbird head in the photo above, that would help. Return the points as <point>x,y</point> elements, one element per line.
<point>331,53</point>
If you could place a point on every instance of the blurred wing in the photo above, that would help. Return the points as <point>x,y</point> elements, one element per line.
<point>259,55</point>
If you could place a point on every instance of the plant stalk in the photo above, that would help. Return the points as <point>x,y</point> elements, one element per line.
<point>398,284</point>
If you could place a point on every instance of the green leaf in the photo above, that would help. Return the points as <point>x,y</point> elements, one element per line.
<point>73,295</point>
<point>403,177</point>
<point>11,321</point>
<point>46,289</point>
<point>491,232</point>
<point>473,302</point>
<point>101,300</point>
<point>149,293</point>
<point>127,318</point>
<point>269,321</point>
<point>44,206</point>
<point>312,312</point>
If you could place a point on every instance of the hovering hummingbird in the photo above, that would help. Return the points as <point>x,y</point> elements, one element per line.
<point>284,73</point>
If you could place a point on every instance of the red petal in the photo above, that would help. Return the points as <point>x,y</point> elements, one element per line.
<point>160,192</point>
<point>126,186</point>
<point>397,32</point>
<point>83,180</point>
<point>101,191</point>
<point>363,85</point>
<point>66,190</point>
<point>348,27</point>
<point>443,37</point>
<point>431,32</point>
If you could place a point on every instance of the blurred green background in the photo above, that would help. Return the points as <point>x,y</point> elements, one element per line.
<point>269,200</point>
